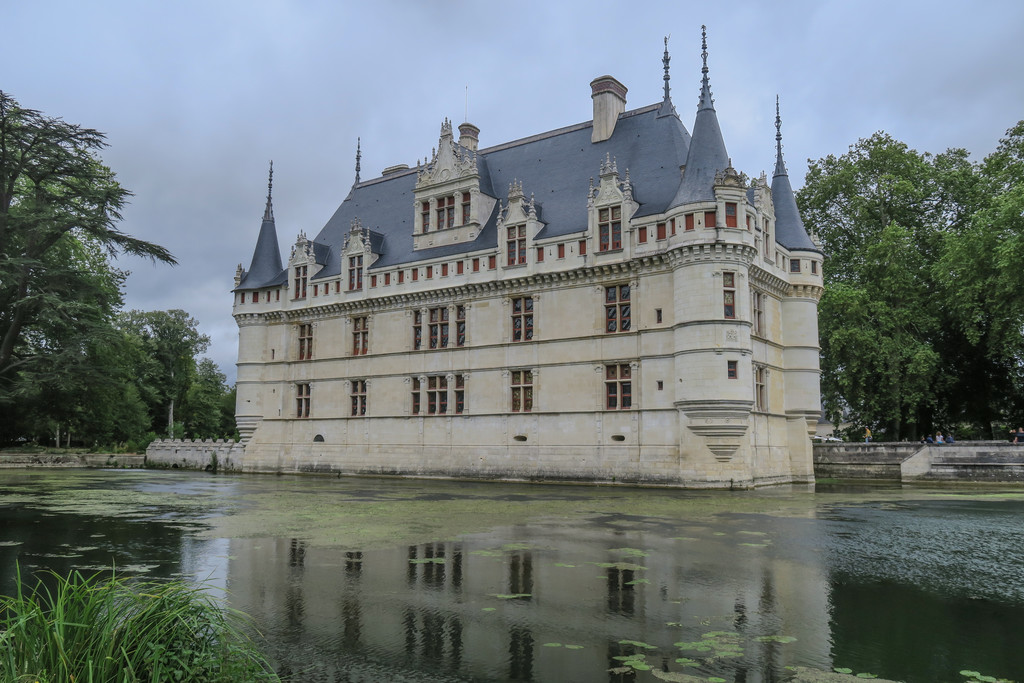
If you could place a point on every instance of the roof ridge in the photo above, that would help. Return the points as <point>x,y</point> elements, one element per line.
<point>565,129</point>
<point>522,141</point>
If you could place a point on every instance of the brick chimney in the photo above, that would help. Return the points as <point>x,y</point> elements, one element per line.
<point>609,101</point>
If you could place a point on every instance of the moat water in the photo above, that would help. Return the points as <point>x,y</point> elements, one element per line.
<point>392,580</point>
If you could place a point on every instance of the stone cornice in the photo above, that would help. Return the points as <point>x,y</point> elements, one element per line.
<point>711,251</point>
<point>806,292</point>
<point>536,282</point>
<point>768,282</point>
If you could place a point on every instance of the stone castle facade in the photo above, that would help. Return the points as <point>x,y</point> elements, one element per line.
<point>611,301</point>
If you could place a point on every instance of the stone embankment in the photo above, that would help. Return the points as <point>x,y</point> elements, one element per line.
<point>22,460</point>
<point>968,461</point>
<point>196,454</point>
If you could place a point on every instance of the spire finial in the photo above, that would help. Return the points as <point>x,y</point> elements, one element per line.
<point>665,60</point>
<point>704,49</point>
<point>778,123</point>
<point>706,101</point>
<point>359,156</point>
<point>780,165</point>
<point>268,213</point>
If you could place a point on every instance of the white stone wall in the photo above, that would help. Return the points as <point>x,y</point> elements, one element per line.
<point>698,428</point>
<point>196,454</point>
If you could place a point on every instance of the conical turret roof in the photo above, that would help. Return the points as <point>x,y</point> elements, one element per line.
<point>707,155</point>
<point>266,269</point>
<point>789,227</point>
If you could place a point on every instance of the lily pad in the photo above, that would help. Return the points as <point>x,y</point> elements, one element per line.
<point>637,643</point>
<point>676,677</point>
<point>621,566</point>
<point>775,639</point>
<point>517,546</point>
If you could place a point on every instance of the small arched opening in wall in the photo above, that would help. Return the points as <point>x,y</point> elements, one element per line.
<point>519,437</point>
<point>618,437</point>
<point>319,438</point>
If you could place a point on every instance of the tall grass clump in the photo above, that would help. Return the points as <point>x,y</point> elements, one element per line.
<point>95,629</point>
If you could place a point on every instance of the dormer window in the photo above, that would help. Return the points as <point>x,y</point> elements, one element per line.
<point>465,208</point>
<point>446,212</point>
<point>516,245</point>
<point>301,278</point>
<point>609,228</point>
<point>425,215</point>
<point>355,273</point>
<point>730,214</point>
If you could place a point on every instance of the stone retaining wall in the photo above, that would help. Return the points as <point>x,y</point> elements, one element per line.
<point>994,461</point>
<point>20,460</point>
<point>196,454</point>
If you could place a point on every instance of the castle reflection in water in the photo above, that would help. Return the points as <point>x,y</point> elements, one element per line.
<point>493,607</point>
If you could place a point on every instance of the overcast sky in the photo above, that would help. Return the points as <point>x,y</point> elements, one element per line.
<point>197,96</point>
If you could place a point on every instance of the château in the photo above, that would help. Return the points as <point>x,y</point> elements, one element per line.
<point>607,302</point>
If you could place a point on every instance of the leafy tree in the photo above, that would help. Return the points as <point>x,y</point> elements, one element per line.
<point>875,210</point>
<point>983,280</point>
<point>920,319</point>
<point>172,339</point>
<point>203,411</point>
<point>59,209</point>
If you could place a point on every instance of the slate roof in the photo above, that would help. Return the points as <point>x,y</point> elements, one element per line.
<point>707,155</point>
<point>265,269</point>
<point>556,167</point>
<point>789,227</point>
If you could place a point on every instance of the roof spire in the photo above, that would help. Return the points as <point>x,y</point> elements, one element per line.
<point>666,108</point>
<point>268,213</point>
<point>780,165</point>
<point>359,156</point>
<point>665,60</point>
<point>707,157</point>
<point>265,268</point>
<point>706,102</point>
<point>789,227</point>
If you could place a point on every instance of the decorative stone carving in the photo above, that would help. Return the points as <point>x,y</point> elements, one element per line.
<point>449,161</point>
<point>722,424</point>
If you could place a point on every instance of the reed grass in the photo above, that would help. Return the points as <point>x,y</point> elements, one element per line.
<point>104,629</point>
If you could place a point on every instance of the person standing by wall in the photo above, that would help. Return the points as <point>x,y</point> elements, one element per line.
<point>867,435</point>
